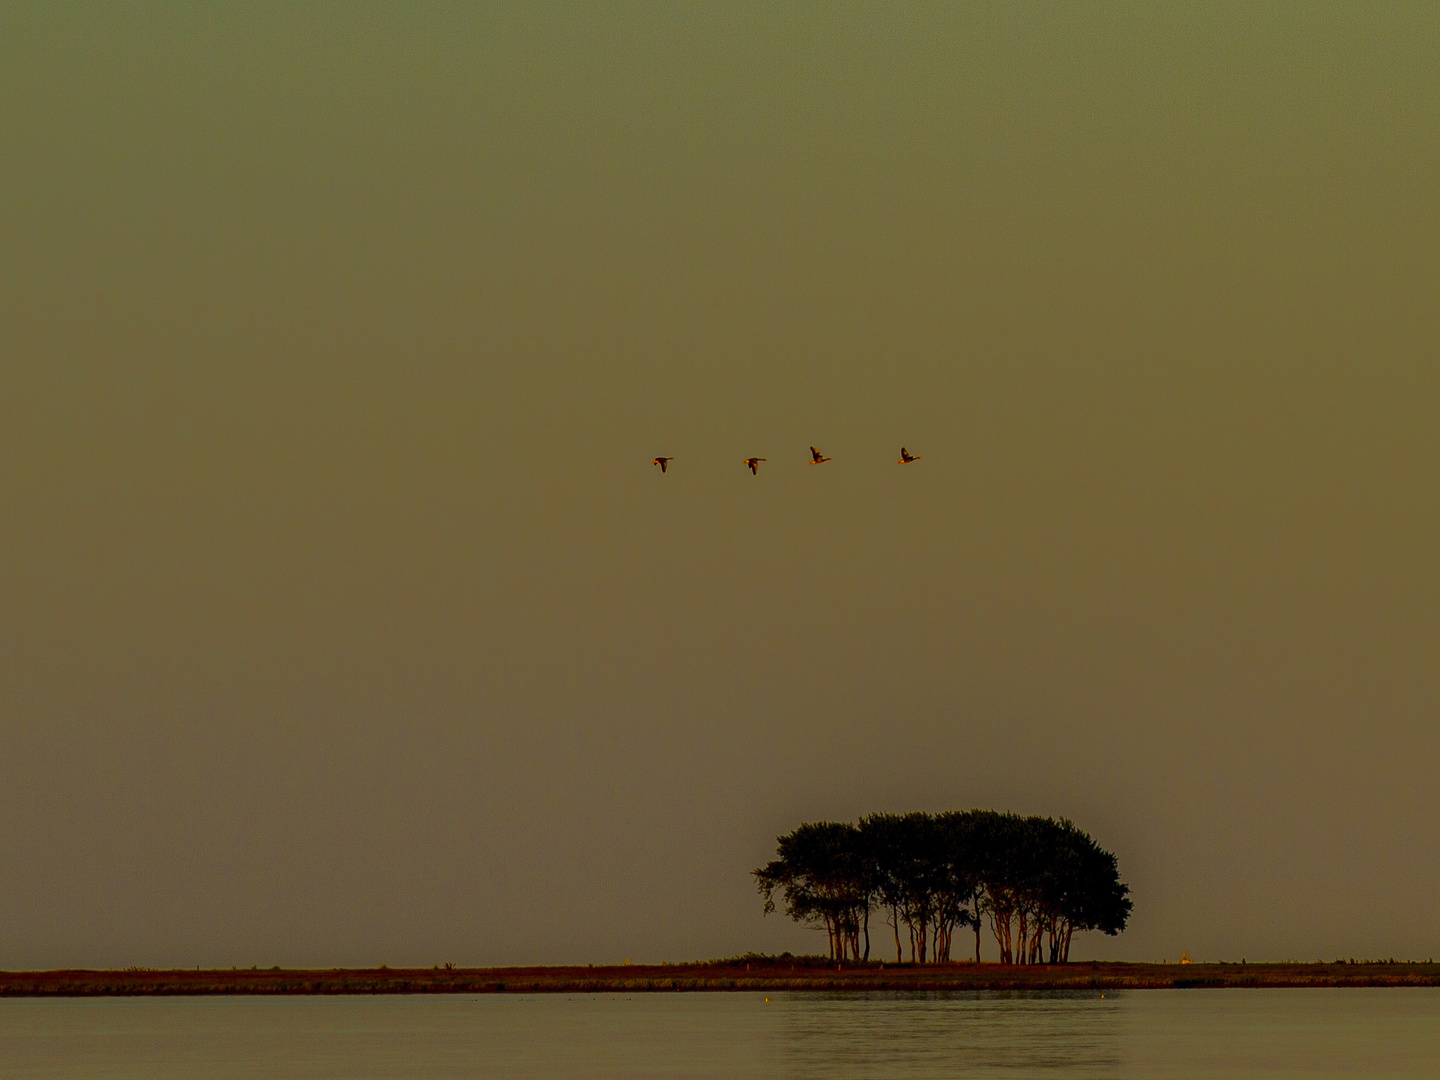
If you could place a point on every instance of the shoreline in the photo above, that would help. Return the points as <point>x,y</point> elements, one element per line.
<point>777,976</point>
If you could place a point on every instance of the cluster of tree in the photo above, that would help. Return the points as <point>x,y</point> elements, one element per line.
<point>1037,881</point>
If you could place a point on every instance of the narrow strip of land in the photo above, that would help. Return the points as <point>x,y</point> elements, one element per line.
<point>731,976</point>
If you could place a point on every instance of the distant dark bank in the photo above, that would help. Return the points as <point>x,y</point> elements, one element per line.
<point>802,974</point>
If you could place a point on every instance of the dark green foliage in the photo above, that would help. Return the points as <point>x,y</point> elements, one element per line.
<point>823,878</point>
<point>1037,879</point>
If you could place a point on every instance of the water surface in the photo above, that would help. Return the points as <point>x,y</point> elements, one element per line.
<point>1149,1034</point>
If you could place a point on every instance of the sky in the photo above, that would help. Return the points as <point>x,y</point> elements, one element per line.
<point>344,620</point>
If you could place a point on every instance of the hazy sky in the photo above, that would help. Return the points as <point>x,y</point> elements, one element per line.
<point>344,620</point>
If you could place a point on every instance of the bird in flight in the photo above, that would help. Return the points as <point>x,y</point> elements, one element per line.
<point>663,462</point>
<point>753,464</point>
<point>906,457</point>
<point>817,458</point>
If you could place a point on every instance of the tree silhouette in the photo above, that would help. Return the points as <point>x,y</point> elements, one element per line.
<point>820,877</point>
<point>1038,880</point>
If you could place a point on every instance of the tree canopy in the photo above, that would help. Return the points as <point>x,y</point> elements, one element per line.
<point>1036,880</point>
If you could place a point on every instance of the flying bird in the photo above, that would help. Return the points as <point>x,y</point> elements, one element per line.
<point>663,462</point>
<point>753,464</point>
<point>817,458</point>
<point>906,457</point>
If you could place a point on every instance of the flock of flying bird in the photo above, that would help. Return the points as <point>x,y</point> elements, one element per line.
<point>816,458</point>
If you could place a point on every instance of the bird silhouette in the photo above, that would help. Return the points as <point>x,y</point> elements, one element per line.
<point>753,464</point>
<point>906,457</point>
<point>663,462</point>
<point>817,458</point>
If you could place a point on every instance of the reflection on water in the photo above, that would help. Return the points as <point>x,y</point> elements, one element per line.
<point>1154,1035</point>
<point>947,1035</point>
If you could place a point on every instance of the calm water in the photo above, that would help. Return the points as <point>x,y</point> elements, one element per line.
<point>1156,1033</point>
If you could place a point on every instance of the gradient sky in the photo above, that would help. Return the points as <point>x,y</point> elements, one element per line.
<point>343,619</point>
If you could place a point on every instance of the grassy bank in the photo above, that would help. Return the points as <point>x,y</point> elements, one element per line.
<point>759,974</point>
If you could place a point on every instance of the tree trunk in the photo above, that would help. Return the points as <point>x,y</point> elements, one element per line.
<point>975,917</point>
<point>895,922</point>
<point>867,931</point>
<point>1000,924</point>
